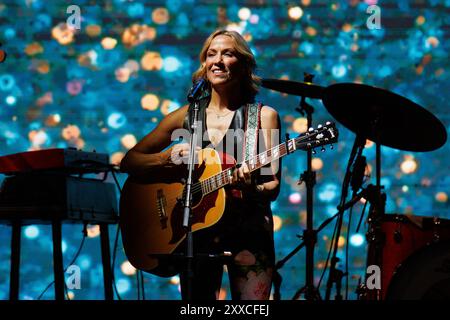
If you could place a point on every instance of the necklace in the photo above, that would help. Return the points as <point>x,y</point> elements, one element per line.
<point>220,115</point>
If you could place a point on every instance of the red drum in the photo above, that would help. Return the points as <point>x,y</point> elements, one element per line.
<point>409,243</point>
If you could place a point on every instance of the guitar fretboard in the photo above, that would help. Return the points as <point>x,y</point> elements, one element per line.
<point>220,180</point>
<point>311,139</point>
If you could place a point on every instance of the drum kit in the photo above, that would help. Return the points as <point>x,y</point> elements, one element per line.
<point>411,252</point>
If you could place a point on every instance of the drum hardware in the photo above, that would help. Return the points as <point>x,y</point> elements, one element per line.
<point>387,119</point>
<point>338,278</point>
<point>436,224</point>
<point>361,290</point>
<point>398,236</point>
<point>305,90</point>
<point>350,178</point>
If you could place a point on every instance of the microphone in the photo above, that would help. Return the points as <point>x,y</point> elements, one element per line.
<point>195,90</point>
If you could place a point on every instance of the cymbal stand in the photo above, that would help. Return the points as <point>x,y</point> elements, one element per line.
<point>309,178</point>
<point>375,235</point>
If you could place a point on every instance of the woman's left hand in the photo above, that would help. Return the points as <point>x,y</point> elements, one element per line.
<point>241,177</point>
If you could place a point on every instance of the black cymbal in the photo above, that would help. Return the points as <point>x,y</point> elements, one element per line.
<point>385,117</point>
<point>304,89</point>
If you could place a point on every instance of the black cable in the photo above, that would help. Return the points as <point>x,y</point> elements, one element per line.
<point>356,150</point>
<point>138,285</point>
<point>347,250</point>
<point>356,182</point>
<point>46,288</point>
<point>116,240</point>
<point>139,274</point>
<point>142,284</point>
<point>71,263</point>
<point>113,171</point>
<point>328,256</point>
<point>363,212</point>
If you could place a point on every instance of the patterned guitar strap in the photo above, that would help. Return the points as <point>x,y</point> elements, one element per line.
<point>252,124</point>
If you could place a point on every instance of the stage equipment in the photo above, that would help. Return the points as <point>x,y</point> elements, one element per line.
<point>386,119</point>
<point>305,89</point>
<point>49,187</point>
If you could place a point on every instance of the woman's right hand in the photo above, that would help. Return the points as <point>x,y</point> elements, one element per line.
<point>179,153</point>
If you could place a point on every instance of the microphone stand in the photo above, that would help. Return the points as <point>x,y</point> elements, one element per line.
<point>187,211</point>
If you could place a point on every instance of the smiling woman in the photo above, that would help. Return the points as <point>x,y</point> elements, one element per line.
<point>235,48</point>
<point>232,222</point>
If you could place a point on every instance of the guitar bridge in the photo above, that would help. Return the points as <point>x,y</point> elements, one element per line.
<point>161,204</point>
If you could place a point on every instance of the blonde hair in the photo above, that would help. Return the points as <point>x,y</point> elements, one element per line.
<point>251,81</point>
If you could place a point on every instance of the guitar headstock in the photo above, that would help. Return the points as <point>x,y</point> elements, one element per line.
<point>321,136</point>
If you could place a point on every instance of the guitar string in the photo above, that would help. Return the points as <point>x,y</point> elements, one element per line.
<point>198,186</point>
<point>223,175</point>
<point>268,155</point>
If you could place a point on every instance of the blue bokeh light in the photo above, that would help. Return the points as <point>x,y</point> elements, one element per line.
<point>116,120</point>
<point>357,240</point>
<point>123,285</point>
<point>11,100</point>
<point>31,232</point>
<point>171,64</point>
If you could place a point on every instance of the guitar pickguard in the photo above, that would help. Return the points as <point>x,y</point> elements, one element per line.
<point>200,206</point>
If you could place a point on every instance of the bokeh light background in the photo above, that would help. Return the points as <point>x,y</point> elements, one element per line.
<point>106,85</point>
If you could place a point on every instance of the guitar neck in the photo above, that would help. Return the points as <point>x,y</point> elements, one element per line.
<point>222,179</point>
<point>313,138</point>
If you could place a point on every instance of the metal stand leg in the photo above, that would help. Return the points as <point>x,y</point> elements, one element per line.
<point>58,270</point>
<point>106,259</point>
<point>15,261</point>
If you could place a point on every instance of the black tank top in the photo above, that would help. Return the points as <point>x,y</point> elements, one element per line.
<point>232,143</point>
<point>247,223</point>
<point>234,137</point>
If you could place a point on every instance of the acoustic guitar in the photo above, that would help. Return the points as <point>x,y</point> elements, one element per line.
<point>151,208</point>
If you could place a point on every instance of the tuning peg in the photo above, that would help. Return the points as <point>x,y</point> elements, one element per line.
<point>328,123</point>
<point>331,146</point>
<point>322,149</point>
<point>311,129</point>
<point>319,126</point>
<point>313,151</point>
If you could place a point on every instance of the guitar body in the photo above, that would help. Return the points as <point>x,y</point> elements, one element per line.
<point>151,213</point>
